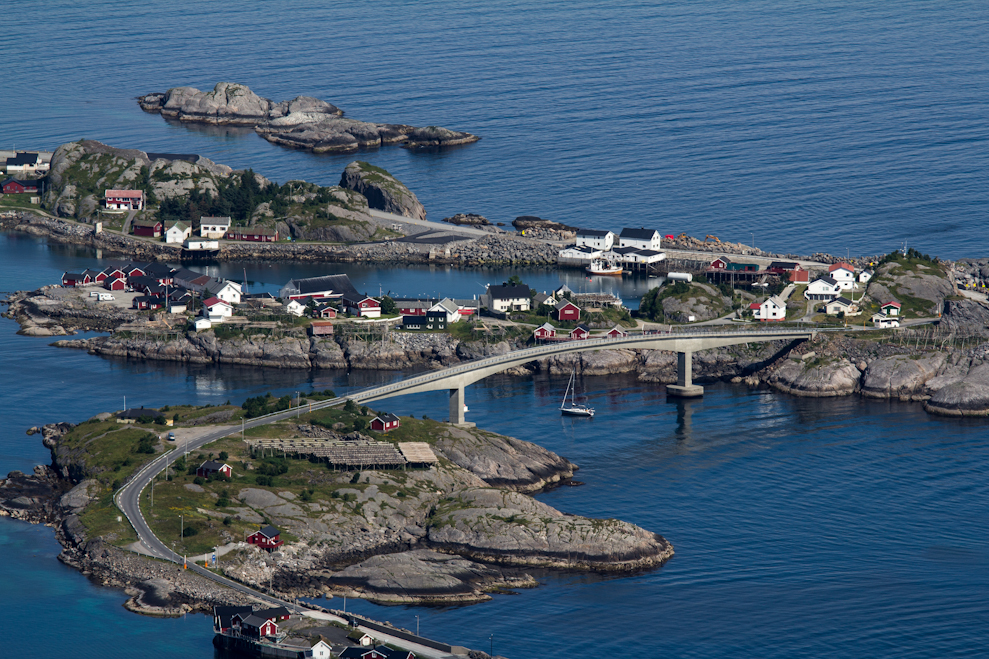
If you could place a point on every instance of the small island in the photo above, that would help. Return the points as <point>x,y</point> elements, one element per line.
<point>301,123</point>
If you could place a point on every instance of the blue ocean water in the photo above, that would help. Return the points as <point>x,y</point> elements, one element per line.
<point>802,527</point>
<point>799,126</point>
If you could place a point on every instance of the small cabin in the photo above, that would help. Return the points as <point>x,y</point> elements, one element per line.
<point>544,331</point>
<point>321,328</point>
<point>385,422</point>
<point>267,538</point>
<point>73,279</point>
<point>211,467</point>
<point>255,625</point>
<point>580,333</point>
<point>617,332</point>
<point>891,308</point>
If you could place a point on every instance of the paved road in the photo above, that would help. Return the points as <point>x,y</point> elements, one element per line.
<point>435,226</point>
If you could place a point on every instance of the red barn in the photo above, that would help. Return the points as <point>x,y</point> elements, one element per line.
<point>268,538</point>
<point>385,422</point>
<point>617,333</point>
<point>545,331</point>
<point>580,333</point>
<point>211,467</point>
<point>13,186</point>
<point>148,228</point>
<point>566,311</point>
<point>114,284</point>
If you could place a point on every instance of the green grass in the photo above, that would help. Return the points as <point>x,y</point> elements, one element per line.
<point>109,450</point>
<point>19,201</point>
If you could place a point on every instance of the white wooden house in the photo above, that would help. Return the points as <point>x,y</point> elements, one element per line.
<point>824,288</point>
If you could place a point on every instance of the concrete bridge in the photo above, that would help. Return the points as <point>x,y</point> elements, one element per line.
<point>684,343</point>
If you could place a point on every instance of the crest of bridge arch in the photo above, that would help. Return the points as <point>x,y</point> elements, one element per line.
<point>462,375</point>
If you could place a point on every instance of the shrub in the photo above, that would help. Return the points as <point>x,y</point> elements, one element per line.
<point>224,456</point>
<point>360,423</point>
<point>160,420</point>
<point>224,499</point>
<point>116,484</point>
<point>350,406</point>
<point>365,410</point>
<point>199,480</point>
<point>189,531</point>
<point>264,480</point>
<point>146,444</point>
<point>357,478</point>
<point>191,470</point>
<point>227,521</point>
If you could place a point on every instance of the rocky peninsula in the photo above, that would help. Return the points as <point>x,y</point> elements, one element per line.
<point>302,123</point>
<point>449,533</point>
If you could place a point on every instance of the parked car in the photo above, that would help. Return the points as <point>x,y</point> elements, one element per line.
<point>171,436</point>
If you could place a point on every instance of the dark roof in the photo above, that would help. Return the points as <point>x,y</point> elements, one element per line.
<point>26,184</point>
<point>73,275</point>
<point>638,234</point>
<point>212,465</point>
<point>581,327</point>
<point>782,265</point>
<point>335,283</point>
<point>387,418</point>
<point>722,258</point>
<point>564,303</point>
<point>276,612</point>
<point>592,233</point>
<point>357,651</point>
<point>844,301</point>
<point>253,231</point>
<point>269,531</point>
<point>149,298</point>
<point>23,158</point>
<point>188,157</point>
<point>145,223</point>
<point>92,273</point>
<point>135,413</point>
<point>254,621</point>
<point>509,292</point>
<point>828,280</point>
<point>625,250</point>
<point>158,269</point>
<point>225,613</point>
<point>648,252</point>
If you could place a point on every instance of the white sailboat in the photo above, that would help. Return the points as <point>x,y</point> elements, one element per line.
<point>573,408</point>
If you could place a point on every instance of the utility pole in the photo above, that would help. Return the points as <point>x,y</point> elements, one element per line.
<point>181,527</point>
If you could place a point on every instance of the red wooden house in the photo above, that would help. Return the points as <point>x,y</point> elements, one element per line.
<point>148,228</point>
<point>361,305</point>
<point>211,467</point>
<point>256,626</point>
<point>147,302</point>
<point>385,422</point>
<point>324,311</point>
<point>113,273</point>
<point>124,199</point>
<point>617,332</point>
<point>72,279</point>
<point>267,538</point>
<point>114,284</point>
<point>223,616</point>
<point>566,311</point>
<point>580,333</point>
<point>13,186</point>
<point>380,652</point>
<point>253,234</point>
<point>545,331</point>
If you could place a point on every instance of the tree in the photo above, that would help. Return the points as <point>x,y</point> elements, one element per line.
<point>388,305</point>
<point>350,406</point>
<point>360,423</point>
<point>514,280</point>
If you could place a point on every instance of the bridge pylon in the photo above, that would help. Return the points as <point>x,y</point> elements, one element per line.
<point>457,407</point>
<point>684,388</point>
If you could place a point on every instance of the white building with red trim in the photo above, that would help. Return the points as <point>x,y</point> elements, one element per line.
<point>132,200</point>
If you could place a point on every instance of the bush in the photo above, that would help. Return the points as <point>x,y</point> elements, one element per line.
<point>191,470</point>
<point>227,521</point>
<point>115,485</point>
<point>145,418</point>
<point>357,478</point>
<point>224,499</point>
<point>365,410</point>
<point>189,531</point>
<point>360,424</point>
<point>350,406</point>
<point>224,456</point>
<point>159,420</point>
<point>146,444</point>
<point>264,480</point>
<point>199,480</point>
<point>306,496</point>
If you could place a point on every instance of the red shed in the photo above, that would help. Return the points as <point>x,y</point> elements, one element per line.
<point>114,284</point>
<point>719,264</point>
<point>253,234</point>
<point>74,279</point>
<point>255,625</point>
<point>566,311</point>
<point>149,228</point>
<point>385,422</point>
<point>545,331</point>
<point>211,467</point>
<point>268,538</point>
<point>617,332</point>
<point>580,332</point>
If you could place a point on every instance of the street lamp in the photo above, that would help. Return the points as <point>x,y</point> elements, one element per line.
<point>752,233</point>
<point>181,527</point>
<point>491,638</point>
<point>417,625</point>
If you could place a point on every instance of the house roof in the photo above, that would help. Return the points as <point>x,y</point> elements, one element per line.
<point>269,531</point>
<point>893,303</point>
<point>158,269</point>
<point>253,231</point>
<point>213,465</point>
<point>335,283</point>
<point>256,621</point>
<point>135,413</point>
<point>275,612</point>
<point>547,327</point>
<point>225,613</point>
<point>591,233</point>
<point>145,223</point>
<point>23,158</point>
<point>647,252</point>
<point>565,303</point>
<point>841,301</point>
<point>755,305</point>
<point>179,224</point>
<point>149,299</point>
<point>625,250</point>
<point>215,301</point>
<point>580,327</point>
<point>449,305</point>
<point>387,418</point>
<point>127,194</point>
<point>616,328</point>
<point>839,266</point>
<point>214,220</point>
<point>830,281</point>
<point>563,289</point>
<point>509,292</point>
<point>639,234</point>
<point>73,275</point>
<point>784,265</point>
<point>723,259</point>
<point>357,651</point>
<point>583,249</point>
<point>777,300</point>
<point>542,297</point>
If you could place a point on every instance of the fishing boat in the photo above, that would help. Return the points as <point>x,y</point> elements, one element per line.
<point>573,408</point>
<point>603,267</point>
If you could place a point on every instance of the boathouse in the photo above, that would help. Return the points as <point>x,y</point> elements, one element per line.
<point>254,625</point>
<point>147,228</point>
<point>222,616</point>
<point>267,538</point>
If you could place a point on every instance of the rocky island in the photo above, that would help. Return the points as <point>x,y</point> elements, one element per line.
<point>303,122</point>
